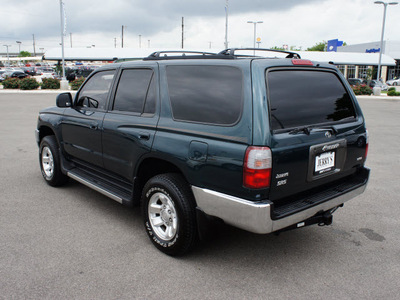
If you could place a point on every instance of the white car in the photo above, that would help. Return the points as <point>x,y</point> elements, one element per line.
<point>47,74</point>
<point>393,81</point>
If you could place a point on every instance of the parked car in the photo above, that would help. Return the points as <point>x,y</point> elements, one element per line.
<point>47,74</point>
<point>30,71</point>
<point>207,137</point>
<point>355,81</point>
<point>376,83</point>
<point>393,82</point>
<point>13,74</point>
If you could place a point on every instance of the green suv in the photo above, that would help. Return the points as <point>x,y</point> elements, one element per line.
<point>263,143</point>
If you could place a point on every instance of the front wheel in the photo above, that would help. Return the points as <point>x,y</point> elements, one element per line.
<point>168,209</point>
<point>49,159</point>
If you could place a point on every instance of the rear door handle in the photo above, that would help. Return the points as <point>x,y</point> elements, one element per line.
<point>93,127</point>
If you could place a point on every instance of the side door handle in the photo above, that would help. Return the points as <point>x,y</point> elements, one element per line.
<point>144,136</point>
<point>93,127</point>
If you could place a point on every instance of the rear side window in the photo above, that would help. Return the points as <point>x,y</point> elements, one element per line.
<point>205,94</point>
<point>307,97</point>
<point>135,92</point>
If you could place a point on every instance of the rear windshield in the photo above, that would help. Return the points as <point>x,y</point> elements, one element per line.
<point>307,97</point>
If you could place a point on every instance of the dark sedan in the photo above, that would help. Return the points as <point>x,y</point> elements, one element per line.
<point>13,74</point>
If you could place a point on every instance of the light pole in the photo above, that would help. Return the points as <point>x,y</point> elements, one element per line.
<point>64,82</point>
<point>255,32</point>
<point>8,57</point>
<point>385,4</point>
<point>19,46</point>
<point>226,23</point>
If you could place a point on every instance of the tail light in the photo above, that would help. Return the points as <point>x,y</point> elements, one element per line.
<point>257,167</point>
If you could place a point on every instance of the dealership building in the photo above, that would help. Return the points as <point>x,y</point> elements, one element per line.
<point>390,49</point>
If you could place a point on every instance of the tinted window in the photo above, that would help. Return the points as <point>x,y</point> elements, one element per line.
<point>205,94</point>
<point>301,97</point>
<point>132,90</point>
<point>95,91</point>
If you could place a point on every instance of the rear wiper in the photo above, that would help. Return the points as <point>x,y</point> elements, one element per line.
<point>307,129</point>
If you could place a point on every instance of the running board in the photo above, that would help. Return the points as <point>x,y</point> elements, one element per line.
<point>96,187</point>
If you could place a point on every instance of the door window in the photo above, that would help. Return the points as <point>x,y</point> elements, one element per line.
<point>136,92</point>
<point>95,91</point>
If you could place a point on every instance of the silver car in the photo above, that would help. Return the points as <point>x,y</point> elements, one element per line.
<point>393,81</point>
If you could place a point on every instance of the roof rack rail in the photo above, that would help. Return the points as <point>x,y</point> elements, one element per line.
<point>164,55</point>
<point>231,52</point>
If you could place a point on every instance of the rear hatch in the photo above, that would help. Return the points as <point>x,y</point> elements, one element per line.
<point>318,137</point>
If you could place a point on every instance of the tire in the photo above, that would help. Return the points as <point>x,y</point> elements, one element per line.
<point>49,159</point>
<point>395,83</point>
<point>169,215</point>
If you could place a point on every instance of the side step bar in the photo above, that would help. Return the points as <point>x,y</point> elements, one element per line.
<point>95,187</point>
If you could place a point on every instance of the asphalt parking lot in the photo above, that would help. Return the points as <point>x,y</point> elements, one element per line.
<point>74,243</point>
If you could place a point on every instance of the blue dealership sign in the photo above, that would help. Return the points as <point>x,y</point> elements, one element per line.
<point>333,44</point>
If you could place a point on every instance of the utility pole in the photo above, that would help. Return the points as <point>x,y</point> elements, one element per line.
<point>122,39</point>
<point>183,30</point>
<point>70,38</point>
<point>115,42</point>
<point>226,24</point>
<point>34,45</point>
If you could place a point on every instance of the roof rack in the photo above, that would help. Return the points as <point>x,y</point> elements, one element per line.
<point>231,52</point>
<point>224,54</point>
<point>164,55</point>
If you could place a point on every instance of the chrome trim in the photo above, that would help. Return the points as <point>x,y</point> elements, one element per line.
<point>94,187</point>
<point>256,216</point>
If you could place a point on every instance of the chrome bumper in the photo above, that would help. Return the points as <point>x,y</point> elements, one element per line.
<point>255,216</point>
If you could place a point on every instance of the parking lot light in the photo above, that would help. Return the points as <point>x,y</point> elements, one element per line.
<point>255,31</point>
<point>385,4</point>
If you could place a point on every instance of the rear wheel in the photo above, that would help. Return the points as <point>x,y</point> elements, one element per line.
<point>49,159</point>
<point>168,209</point>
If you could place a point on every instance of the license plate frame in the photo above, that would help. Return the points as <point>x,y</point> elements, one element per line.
<point>324,162</point>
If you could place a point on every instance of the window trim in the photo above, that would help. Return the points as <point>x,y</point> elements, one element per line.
<point>206,123</point>
<point>334,72</point>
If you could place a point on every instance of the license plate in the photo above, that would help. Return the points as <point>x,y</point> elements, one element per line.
<point>324,162</point>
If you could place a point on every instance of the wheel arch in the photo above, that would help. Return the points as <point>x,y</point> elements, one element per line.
<point>45,131</point>
<point>150,167</point>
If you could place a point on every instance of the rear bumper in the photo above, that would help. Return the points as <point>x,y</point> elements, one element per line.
<point>256,216</point>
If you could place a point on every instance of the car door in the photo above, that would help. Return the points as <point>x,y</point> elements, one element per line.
<point>130,124</point>
<point>81,126</point>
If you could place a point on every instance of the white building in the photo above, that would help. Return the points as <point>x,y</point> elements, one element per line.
<point>390,48</point>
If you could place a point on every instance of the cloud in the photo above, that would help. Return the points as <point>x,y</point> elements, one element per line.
<point>293,22</point>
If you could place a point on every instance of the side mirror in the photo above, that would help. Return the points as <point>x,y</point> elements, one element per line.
<point>64,100</point>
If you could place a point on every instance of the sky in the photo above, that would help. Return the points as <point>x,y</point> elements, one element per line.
<point>299,23</point>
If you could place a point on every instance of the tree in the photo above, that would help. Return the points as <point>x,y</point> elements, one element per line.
<point>24,54</point>
<point>318,47</point>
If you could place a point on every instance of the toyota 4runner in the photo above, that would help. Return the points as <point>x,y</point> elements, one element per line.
<point>263,143</point>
